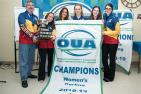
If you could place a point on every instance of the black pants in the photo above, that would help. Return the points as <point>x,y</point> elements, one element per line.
<point>109,51</point>
<point>43,54</point>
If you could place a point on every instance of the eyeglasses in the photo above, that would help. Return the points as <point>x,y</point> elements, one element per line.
<point>108,8</point>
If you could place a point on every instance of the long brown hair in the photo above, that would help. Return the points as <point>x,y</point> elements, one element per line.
<point>51,23</point>
<point>80,7</point>
<point>99,16</point>
<point>60,14</point>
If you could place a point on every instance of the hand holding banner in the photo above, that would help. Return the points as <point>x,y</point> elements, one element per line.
<point>76,67</point>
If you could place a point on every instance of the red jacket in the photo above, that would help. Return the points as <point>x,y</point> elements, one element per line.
<point>46,44</point>
<point>24,38</point>
<point>27,22</point>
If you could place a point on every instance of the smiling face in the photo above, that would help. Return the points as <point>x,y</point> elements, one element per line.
<point>108,10</point>
<point>64,14</point>
<point>30,7</point>
<point>78,10</point>
<point>50,17</point>
<point>95,12</point>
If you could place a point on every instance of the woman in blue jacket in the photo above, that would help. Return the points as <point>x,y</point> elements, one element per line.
<point>110,42</point>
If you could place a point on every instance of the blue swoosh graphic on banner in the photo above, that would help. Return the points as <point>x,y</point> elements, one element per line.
<point>124,23</point>
<point>46,5</point>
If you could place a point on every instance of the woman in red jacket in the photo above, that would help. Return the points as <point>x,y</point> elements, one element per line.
<point>46,48</point>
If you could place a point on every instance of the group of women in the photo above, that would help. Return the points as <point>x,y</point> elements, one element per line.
<point>110,38</point>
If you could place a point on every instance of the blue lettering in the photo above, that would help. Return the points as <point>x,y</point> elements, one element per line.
<point>63,43</point>
<point>123,15</point>
<point>76,43</point>
<point>77,69</point>
<point>85,70</point>
<point>127,16</point>
<point>89,44</point>
<point>56,68</point>
<point>65,70</point>
<point>96,71</point>
<point>71,69</point>
<point>126,37</point>
<point>119,15</point>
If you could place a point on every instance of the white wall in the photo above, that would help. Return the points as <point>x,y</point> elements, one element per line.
<point>7,29</point>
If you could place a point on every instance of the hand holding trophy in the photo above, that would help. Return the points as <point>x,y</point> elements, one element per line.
<point>44,32</point>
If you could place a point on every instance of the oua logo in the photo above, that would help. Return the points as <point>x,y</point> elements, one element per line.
<point>76,46</point>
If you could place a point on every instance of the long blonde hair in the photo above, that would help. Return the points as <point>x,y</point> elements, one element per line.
<point>81,9</point>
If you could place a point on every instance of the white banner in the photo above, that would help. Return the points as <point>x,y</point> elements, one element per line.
<point>76,68</point>
<point>124,52</point>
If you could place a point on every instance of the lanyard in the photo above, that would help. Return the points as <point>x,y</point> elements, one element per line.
<point>31,18</point>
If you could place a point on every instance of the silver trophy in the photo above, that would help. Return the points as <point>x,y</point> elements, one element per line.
<point>44,31</point>
<point>43,23</point>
